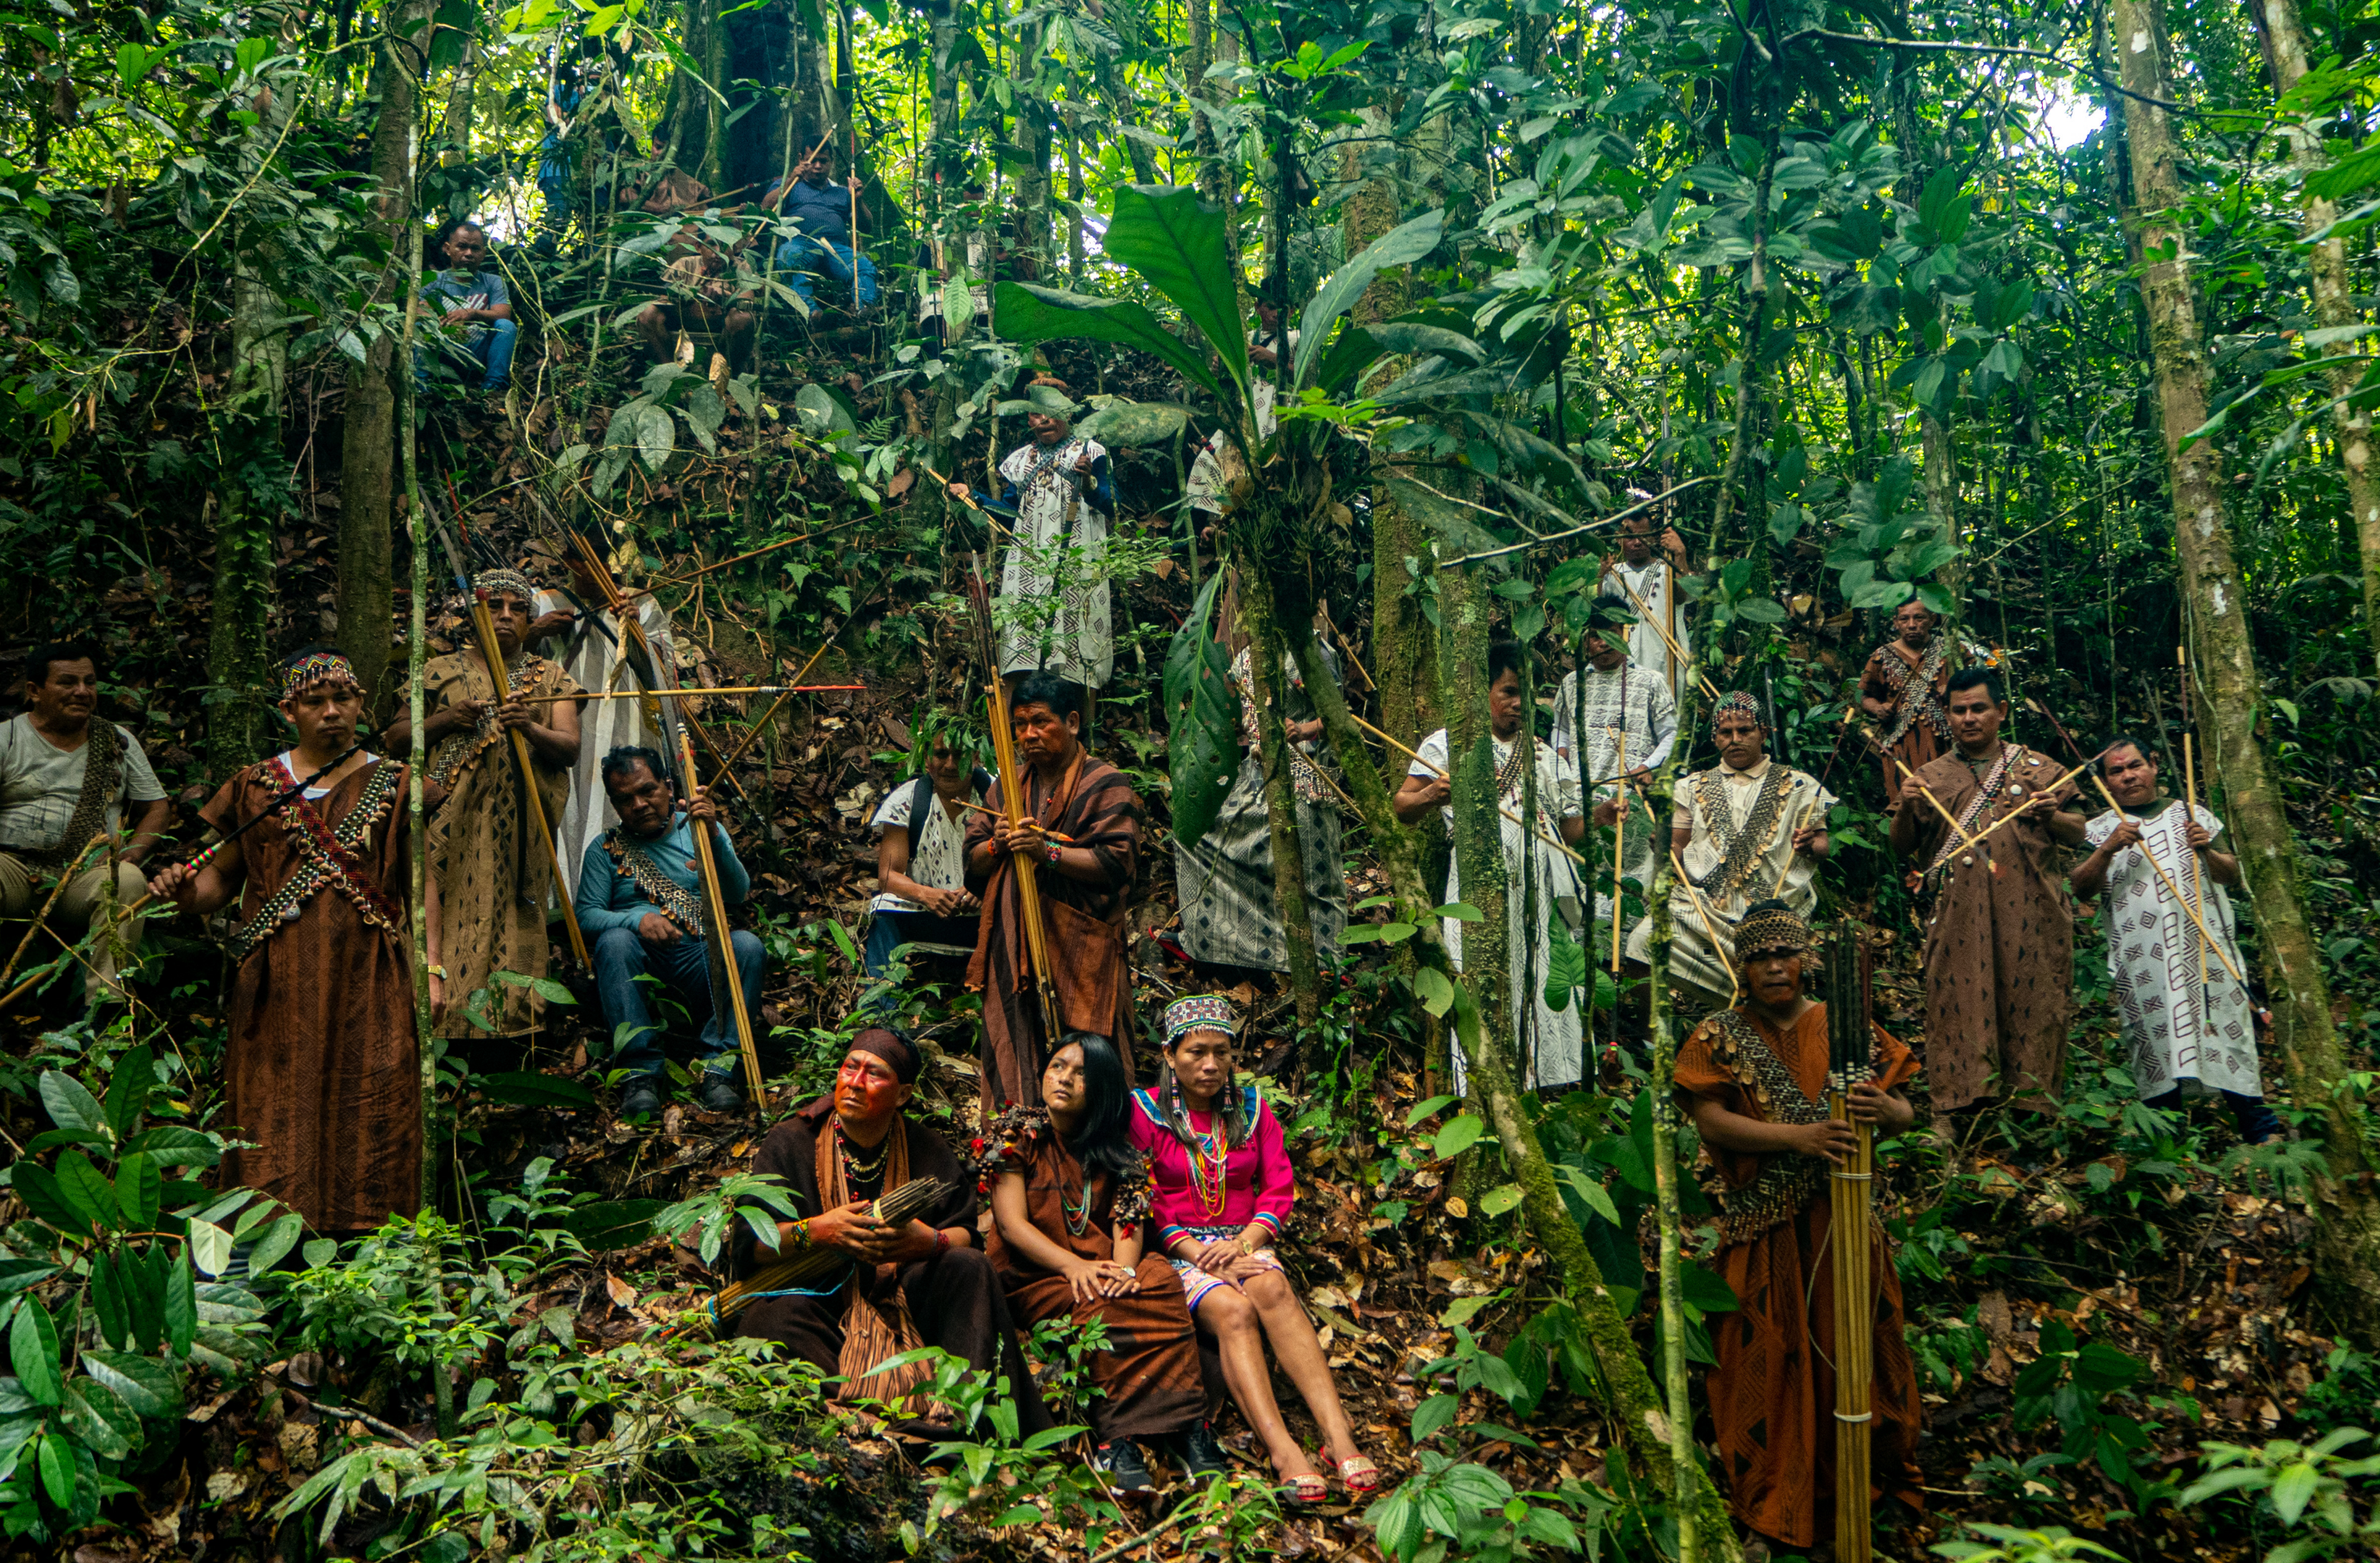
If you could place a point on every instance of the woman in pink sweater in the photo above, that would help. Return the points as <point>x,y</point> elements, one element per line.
<point>1222,1189</point>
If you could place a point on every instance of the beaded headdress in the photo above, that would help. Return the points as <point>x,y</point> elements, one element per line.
<point>1203,1012</point>
<point>1772,927</point>
<point>315,667</point>
<point>511,583</point>
<point>1740,702</point>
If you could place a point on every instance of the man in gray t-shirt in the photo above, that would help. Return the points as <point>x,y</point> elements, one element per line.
<point>52,805</point>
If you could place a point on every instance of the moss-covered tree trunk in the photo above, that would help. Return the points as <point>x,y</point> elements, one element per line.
<point>1257,617</point>
<point>2334,302</point>
<point>1478,828</point>
<point>2346,1240</point>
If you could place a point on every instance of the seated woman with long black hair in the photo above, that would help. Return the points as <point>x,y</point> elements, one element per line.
<point>1223,1187</point>
<point>1069,1201</point>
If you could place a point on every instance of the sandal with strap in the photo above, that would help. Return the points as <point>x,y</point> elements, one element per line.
<point>1306,1491</point>
<point>1357,1473</point>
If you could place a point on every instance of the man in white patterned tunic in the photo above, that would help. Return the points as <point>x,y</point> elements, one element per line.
<point>1058,498</point>
<point>2189,1025</point>
<point>1550,1043</point>
<point>1749,829</point>
<point>1616,700</point>
<point>589,651</point>
<point>1645,582</point>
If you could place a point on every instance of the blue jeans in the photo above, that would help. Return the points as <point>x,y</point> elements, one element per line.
<point>801,255</point>
<point>622,956</point>
<point>492,350</point>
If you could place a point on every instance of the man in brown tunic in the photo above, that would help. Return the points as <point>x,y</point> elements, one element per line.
<point>2000,937</point>
<point>324,1073</point>
<point>923,1283</point>
<point>1082,831</point>
<point>1903,687</point>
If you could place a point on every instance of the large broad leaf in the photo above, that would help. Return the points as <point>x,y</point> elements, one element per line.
<point>1401,246</point>
<point>1024,312</point>
<point>1204,712</point>
<point>1122,425</point>
<point>1179,243</point>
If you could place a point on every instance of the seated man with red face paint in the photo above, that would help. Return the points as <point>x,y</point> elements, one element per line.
<point>923,1283</point>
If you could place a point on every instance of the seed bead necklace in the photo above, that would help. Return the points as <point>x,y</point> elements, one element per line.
<point>1209,1167</point>
<point>856,1170</point>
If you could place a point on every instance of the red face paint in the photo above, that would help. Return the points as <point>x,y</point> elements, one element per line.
<point>867,1092</point>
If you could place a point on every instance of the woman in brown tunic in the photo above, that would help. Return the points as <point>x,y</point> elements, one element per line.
<point>1754,1079</point>
<point>323,1070</point>
<point>1069,1202</point>
<point>493,874</point>
<point>1903,687</point>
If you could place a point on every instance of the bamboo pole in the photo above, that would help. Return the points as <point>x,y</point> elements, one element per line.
<point>777,689</point>
<point>1561,846</point>
<point>1012,800</point>
<point>64,876</point>
<point>2171,888</point>
<point>2189,811</point>
<point>692,577</point>
<point>1667,638</point>
<point>1720,948</point>
<point>1618,849</point>
<point>1782,874</point>
<point>533,801</point>
<point>1849,1192</point>
<point>723,938</point>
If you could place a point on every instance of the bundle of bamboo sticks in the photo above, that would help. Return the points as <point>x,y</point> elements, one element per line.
<point>1851,1187</point>
<point>897,1207</point>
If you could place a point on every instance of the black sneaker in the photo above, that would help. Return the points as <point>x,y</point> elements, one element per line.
<point>641,1099</point>
<point>1120,1463</point>
<point>1200,1455</point>
<point>717,1094</point>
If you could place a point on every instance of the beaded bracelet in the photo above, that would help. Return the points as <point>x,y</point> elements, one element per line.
<point>942,1242</point>
<point>1054,850</point>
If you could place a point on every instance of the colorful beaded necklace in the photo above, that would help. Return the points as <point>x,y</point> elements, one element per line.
<point>1209,1167</point>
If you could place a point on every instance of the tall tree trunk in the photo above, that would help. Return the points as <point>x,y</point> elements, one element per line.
<point>251,495</point>
<point>2334,302</point>
<point>366,593</point>
<point>2347,1239</point>
<point>1259,618</point>
<point>1478,829</point>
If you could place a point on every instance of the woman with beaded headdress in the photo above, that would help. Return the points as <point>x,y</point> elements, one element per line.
<point>1222,1187</point>
<point>1753,1078</point>
<point>493,877</point>
<point>322,1066</point>
<point>1069,1195</point>
<point>1750,829</point>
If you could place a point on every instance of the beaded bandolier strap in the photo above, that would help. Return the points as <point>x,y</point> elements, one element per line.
<point>1739,850</point>
<point>677,903</point>
<point>1986,792</point>
<point>1787,1182</point>
<point>459,752</point>
<point>102,774</point>
<point>328,854</point>
<point>1915,691</point>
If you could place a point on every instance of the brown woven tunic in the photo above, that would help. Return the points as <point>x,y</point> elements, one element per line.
<point>1772,1395</point>
<point>1149,1373</point>
<point>323,1068</point>
<point>1999,938</point>
<point>1891,676</point>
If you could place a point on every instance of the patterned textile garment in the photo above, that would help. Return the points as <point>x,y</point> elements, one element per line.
<point>1226,882</point>
<point>1210,1187</point>
<point>1650,583</point>
<point>592,659</point>
<point>1550,1044</point>
<point>1772,1395</point>
<point>1060,537</point>
<point>1096,806</point>
<point>1149,1372</point>
<point>1915,685</point>
<point>1206,486</point>
<point>493,877</point>
<point>1622,700</point>
<point>953,1300</point>
<point>1740,827</point>
<point>321,1067</point>
<point>2183,1030</point>
<point>1999,940</point>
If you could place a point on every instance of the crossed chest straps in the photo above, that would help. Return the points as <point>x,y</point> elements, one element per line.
<point>1987,791</point>
<point>456,752</point>
<point>1787,1182</point>
<point>327,856</point>
<point>677,903</point>
<point>1740,846</point>
<point>1914,690</point>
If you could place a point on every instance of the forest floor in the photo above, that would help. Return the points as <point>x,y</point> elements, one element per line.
<point>2104,1225</point>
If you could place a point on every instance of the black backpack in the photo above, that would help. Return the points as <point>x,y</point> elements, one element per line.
<point>921,796</point>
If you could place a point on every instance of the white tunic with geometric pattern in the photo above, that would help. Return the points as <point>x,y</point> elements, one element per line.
<point>1053,595</point>
<point>2180,1032</point>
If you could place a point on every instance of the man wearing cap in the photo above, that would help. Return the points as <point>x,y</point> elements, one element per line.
<point>1753,1078</point>
<point>2000,937</point>
<point>1750,829</point>
<point>1630,723</point>
<point>493,872</point>
<point>923,1283</point>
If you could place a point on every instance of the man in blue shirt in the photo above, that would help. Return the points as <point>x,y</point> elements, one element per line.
<point>821,211</point>
<point>640,898</point>
<point>475,307</point>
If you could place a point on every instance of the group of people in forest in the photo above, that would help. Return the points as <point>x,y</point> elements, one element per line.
<point>1155,1210</point>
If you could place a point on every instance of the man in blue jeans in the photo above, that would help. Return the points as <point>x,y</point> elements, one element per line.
<point>474,305</point>
<point>821,210</point>
<point>640,898</point>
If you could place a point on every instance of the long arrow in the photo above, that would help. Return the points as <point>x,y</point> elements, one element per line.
<point>492,651</point>
<point>723,938</point>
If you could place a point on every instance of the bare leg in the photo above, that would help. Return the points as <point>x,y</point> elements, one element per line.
<point>1300,1354</point>
<point>1230,1318</point>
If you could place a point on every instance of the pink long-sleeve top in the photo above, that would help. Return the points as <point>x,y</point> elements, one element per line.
<point>1257,1183</point>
